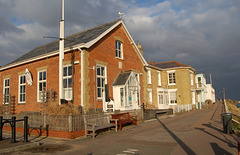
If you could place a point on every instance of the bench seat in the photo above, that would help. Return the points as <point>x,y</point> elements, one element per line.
<point>124,118</point>
<point>93,124</point>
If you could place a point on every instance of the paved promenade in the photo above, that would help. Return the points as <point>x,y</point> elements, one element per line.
<point>196,132</point>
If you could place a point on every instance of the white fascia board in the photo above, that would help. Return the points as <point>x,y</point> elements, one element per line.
<point>180,68</point>
<point>154,67</point>
<point>54,53</point>
<point>92,42</point>
<point>133,42</point>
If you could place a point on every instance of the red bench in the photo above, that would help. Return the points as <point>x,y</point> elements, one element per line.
<point>124,118</point>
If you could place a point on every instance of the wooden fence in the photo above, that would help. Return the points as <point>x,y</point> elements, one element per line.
<point>57,122</point>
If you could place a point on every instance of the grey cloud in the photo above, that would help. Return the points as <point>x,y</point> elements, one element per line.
<point>203,34</point>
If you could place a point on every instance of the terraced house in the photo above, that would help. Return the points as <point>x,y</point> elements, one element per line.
<point>102,71</point>
<point>170,85</point>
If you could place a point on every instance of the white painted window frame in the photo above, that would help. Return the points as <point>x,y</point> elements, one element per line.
<point>20,85</point>
<point>67,77</point>
<point>38,82</point>
<point>149,80</point>
<point>149,96</point>
<point>159,78</point>
<point>105,81</point>
<point>119,49</point>
<point>171,72</point>
<point>191,78</point>
<point>6,87</point>
<point>169,92</point>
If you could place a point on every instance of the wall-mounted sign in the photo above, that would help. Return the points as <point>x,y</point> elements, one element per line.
<point>28,77</point>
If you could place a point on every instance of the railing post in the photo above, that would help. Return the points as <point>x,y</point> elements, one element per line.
<point>13,124</point>
<point>44,120</point>
<point>1,126</point>
<point>25,129</point>
<point>70,124</point>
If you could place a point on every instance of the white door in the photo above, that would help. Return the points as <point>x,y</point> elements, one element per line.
<point>162,100</point>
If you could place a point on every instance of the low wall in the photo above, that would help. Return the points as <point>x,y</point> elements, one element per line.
<point>50,133</point>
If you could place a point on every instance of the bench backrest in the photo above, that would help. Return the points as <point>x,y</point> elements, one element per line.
<point>121,116</point>
<point>98,120</point>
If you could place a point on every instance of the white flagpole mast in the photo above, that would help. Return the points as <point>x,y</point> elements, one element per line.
<point>61,54</point>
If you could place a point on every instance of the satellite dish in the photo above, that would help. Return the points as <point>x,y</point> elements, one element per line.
<point>28,77</point>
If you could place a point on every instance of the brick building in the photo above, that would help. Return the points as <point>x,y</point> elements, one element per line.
<point>170,84</point>
<point>101,66</point>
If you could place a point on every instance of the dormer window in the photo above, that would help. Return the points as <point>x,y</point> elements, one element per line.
<point>119,51</point>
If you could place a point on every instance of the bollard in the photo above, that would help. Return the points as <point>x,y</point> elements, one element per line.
<point>13,129</point>
<point>143,107</point>
<point>1,126</point>
<point>25,129</point>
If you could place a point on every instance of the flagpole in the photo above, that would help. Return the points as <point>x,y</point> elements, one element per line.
<point>61,54</point>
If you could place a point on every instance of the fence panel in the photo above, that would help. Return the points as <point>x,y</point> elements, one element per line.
<point>182,107</point>
<point>55,122</point>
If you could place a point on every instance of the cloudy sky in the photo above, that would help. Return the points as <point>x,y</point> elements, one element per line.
<point>202,33</point>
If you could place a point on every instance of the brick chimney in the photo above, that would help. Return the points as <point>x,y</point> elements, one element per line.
<point>152,63</point>
<point>140,48</point>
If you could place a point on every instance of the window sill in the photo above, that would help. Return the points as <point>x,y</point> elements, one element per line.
<point>172,84</point>
<point>99,100</point>
<point>21,103</point>
<point>119,58</point>
<point>173,104</point>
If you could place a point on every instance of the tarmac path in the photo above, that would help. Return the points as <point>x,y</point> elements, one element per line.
<point>195,132</point>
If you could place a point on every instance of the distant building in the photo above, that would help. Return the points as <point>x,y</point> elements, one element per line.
<point>171,84</point>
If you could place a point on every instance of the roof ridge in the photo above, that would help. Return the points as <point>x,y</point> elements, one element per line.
<point>75,34</point>
<point>166,62</point>
<point>93,28</point>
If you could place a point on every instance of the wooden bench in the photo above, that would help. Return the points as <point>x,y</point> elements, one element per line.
<point>92,124</point>
<point>124,118</point>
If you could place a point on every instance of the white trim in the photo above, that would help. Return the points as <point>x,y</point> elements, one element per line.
<point>133,43</point>
<point>149,77</point>
<point>171,72</point>
<point>120,49</point>
<point>170,91</point>
<point>159,78</point>
<point>5,88</point>
<point>105,80</point>
<point>150,96</point>
<point>38,83</point>
<point>78,46</point>
<point>68,77</point>
<point>19,85</point>
<point>92,42</point>
<point>191,78</point>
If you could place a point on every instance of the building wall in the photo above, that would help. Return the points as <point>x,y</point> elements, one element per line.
<point>104,53</point>
<point>153,86</point>
<point>183,84</point>
<point>51,65</point>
